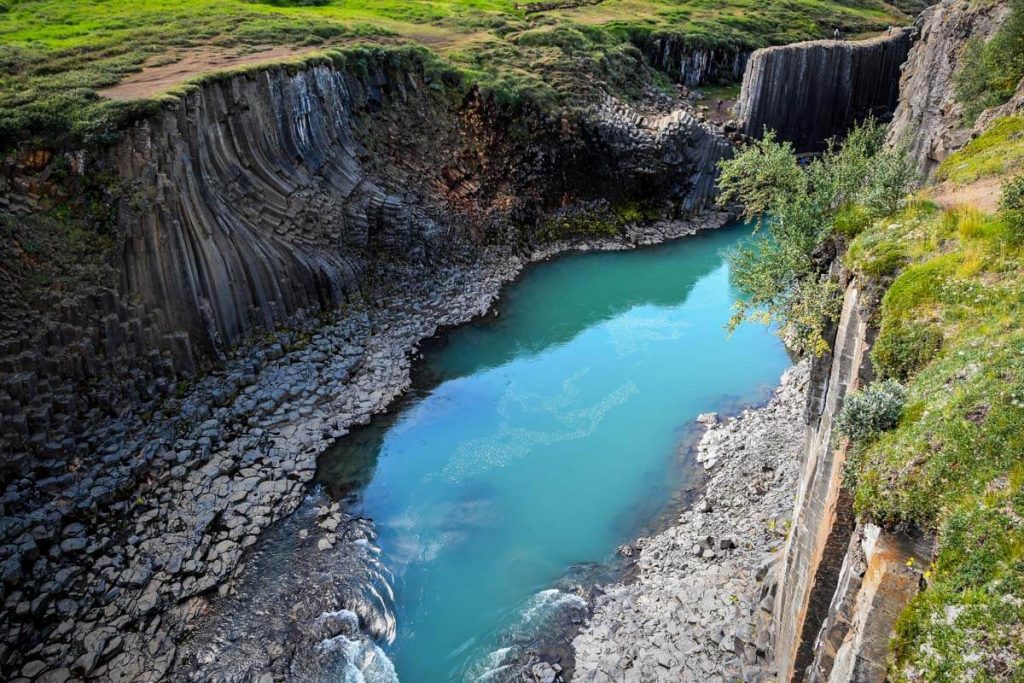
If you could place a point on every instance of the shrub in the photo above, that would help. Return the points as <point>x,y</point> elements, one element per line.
<point>1011,207</point>
<point>869,412</point>
<point>852,220</point>
<point>904,347</point>
<point>989,72</point>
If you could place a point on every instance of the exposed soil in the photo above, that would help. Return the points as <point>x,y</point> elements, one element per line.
<point>983,194</point>
<point>159,77</point>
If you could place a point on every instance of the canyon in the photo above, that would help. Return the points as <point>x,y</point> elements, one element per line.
<point>288,238</point>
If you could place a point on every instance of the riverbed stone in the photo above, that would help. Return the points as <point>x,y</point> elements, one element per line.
<point>691,610</point>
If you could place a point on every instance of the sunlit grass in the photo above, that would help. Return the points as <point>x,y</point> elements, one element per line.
<point>950,328</point>
<point>998,151</point>
<point>54,54</point>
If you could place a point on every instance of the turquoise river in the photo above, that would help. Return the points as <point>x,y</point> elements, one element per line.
<point>539,440</point>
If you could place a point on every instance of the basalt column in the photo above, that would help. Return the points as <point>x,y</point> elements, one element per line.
<point>810,92</point>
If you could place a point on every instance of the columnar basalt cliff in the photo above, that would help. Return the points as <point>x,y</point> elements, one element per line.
<point>263,195</point>
<point>810,92</point>
<point>695,66</point>
<point>254,202</point>
<point>823,516</point>
<point>841,583</point>
<point>928,119</point>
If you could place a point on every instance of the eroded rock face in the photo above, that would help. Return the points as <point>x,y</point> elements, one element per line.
<point>928,119</point>
<point>823,515</point>
<point>254,203</point>
<point>881,572</point>
<point>810,92</point>
<point>258,200</point>
<point>263,196</point>
<point>694,67</point>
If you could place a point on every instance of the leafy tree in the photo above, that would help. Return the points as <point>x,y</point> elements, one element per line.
<point>782,270</point>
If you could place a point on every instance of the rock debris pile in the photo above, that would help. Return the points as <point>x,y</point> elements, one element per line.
<point>105,568</point>
<point>696,611</point>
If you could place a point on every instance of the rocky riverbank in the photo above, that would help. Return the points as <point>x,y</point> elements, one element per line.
<point>695,611</point>
<point>113,562</point>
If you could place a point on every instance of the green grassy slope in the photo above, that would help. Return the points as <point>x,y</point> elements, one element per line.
<point>56,53</point>
<point>950,328</point>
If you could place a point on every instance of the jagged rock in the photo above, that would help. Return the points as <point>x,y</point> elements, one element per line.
<point>928,118</point>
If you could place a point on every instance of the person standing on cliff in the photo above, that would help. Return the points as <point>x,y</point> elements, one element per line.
<point>835,34</point>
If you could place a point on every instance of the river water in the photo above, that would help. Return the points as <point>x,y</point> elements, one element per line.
<point>542,439</point>
<point>481,510</point>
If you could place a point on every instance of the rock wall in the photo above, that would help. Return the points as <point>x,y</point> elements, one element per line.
<point>928,119</point>
<point>263,196</point>
<point>810,92</point>
<point>251,202</point>
<point>823,515</point>
<point>881,572</point>
<point>695,66</point>
<point>840,584</point>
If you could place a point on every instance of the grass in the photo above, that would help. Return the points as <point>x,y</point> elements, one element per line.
<point>999,151</point>
<point>55,54</point>
<point>950,329</point>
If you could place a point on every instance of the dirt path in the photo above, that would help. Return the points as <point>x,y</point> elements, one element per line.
<point>157,78</point>
<point>162,73</point>
<point>983,194</point>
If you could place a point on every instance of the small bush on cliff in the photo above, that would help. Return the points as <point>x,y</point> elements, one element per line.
<point>869,412</point>
<point>989,72</point>
<point>803,214</point>
<point>904,347</point>
<point>1011,208</point>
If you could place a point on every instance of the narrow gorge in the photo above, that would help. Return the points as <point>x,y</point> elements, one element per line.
<point>353,367</point>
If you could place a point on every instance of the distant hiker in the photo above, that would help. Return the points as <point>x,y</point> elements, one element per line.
<point>719,107</point>
<point>836,34</point>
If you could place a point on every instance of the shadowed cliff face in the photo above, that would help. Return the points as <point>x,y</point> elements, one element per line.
<point>261,196</point>
<point>694,67</point>
<point>928,118</point>
<point>810,92</point>
<point>255,202</point>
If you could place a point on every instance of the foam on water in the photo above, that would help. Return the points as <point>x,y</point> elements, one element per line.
<point>546,437</point>
<point>362,660</point>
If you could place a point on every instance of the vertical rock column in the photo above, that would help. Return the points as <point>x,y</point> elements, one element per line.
<point>823,517</point>
<point>810,92</point>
